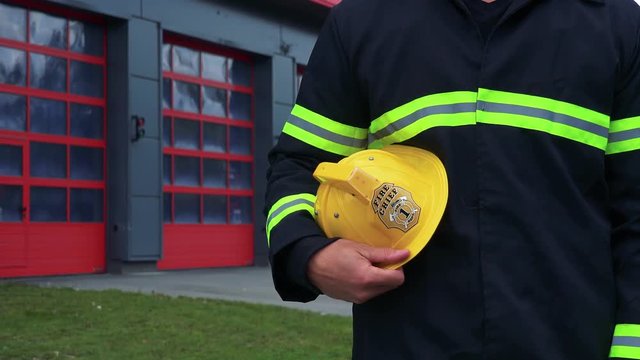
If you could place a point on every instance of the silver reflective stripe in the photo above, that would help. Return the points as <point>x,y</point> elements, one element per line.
<point>325,134</point>
<point>288,205</point>
<point>624,135</point>
<point>419,114</point>
<point>626,341</point>
<point>545,114</point>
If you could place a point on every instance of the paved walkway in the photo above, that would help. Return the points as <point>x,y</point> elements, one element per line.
<point>248,284</point>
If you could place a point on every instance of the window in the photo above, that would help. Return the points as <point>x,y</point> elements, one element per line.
<point>207,134</point>
<point>52,98</point>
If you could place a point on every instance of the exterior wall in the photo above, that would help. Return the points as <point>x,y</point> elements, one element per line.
<point>134,172</point>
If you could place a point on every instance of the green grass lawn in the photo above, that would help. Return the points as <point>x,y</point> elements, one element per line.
<point>50,323</point>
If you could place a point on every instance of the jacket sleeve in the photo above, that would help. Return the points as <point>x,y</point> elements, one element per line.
<point>328,122</point>
<point>623,173</point>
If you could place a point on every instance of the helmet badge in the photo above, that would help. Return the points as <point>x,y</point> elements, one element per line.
<point>395,207</point>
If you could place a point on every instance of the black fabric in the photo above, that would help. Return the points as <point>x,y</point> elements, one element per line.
<point>487,15</point>
<point>537,256</point>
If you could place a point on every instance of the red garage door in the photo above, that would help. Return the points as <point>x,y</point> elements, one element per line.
<point>52,142</point>
<point>208,156</point>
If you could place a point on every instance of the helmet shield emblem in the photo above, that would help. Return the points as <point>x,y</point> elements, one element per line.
<point>395,207</point>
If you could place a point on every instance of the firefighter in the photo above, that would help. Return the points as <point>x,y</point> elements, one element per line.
<point>533,107</point>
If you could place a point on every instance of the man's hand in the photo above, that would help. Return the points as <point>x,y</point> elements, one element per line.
<point>347,270</point>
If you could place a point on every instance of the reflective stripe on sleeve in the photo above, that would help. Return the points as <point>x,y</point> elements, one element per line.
<point>624,135</point>
<point>404,122</point>
<point>554,117</point>
<point>626,342</point>
<point>324,133</point>
<point>286,206</point>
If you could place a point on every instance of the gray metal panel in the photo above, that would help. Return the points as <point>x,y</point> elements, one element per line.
<point>145,102</point>
<point>283,79</point>
<point>280,115</point>
<point>145,241</point>
<point>264,106</point>
<point>144,52</point>
<point>117,142</point>
<point>145,168</point>
<point>301,41</point>
<point>216,23</point>
<point>117,8</point>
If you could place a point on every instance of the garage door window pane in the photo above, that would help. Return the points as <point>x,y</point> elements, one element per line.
<point>10,160</point>
<point>87,79</point>
<point>214,67</point>
<point>187,171</point>
<point>215,173</point>
<point>240,210</point>
<point>87,121</point>
<point>240,105</point>
<point>167,202</point>
<point>187,208</point>
<point>239,175</point>
<point>13,66</point>
<point>48,160</point>
<point>48,116</point>
<point>186,96</point>
<point>48,204</point>
<point>47,30</point>
<point>166,131</point>
<point>48,73</point>
<point>186,61</point>
<point>10,203</point>
<point>214,102</point>
<point>240,140</point>
<point>166,93</point>
<point>86,205</point>
<point>215,137</point>
<point>13,23</point>
<point>239,73</point>
<point>86,38</point>
<point>186,134</point>
<point>86,163</point>
<point>215,209</point>
<point>13,112</point>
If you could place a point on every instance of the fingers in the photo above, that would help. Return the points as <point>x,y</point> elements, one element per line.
<point>347,270</point>
<point>384,256</point>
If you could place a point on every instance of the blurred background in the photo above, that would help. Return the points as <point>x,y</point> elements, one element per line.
<point>134,133</point>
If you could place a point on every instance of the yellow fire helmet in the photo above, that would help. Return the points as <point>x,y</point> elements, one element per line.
<point>393,197</point>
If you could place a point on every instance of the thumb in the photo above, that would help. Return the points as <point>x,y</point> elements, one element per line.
<point>385,255</point>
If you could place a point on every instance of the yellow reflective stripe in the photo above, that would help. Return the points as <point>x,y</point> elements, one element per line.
<point>627,330</point>
<point>424,124</point>
<point>407,109</point>
<point>324,133</point>
<point>285,207</point>
<point>625,352</point>
<point>547,126</point>
<point>626,341</point>
<point>555,106</point>
<point>328,124</point>
<point>319,141</point>
<point>625,124</point>
<point>624,135</point>
<point>623,146</point>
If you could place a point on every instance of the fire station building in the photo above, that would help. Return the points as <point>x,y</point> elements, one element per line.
<point>134,133</point>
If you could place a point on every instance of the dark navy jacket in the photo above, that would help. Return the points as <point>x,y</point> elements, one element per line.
<point>538,253</point>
